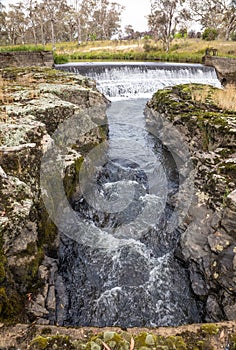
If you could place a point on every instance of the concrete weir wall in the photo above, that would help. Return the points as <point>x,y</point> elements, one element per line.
<point>225,67</point>
<point>26,59</point>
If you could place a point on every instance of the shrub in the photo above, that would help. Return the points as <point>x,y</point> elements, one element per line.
<point>210,34</point>
<point>233,36</point>
<point>59,58</point>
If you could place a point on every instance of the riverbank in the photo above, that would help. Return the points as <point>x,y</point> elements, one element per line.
<point>219,336</point>
<point>182,50</point>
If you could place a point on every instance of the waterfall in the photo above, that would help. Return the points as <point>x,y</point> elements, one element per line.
<point>141,80</point>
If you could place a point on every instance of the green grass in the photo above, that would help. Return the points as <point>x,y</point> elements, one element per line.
<point>129,56</point>
<point>182,50</point>
<point>23,48</point>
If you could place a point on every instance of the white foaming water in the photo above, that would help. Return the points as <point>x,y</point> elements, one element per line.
<point>140,80</point>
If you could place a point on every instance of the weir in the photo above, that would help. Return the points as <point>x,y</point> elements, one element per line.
<point>128,80</point>
<point>130,275</point>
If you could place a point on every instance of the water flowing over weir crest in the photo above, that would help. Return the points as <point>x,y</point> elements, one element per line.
<point>128,275</point>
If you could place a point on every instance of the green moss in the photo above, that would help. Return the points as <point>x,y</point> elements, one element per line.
<point>10,305</point>
<point>39,343</point>
<point>2,272</point>
<point>145,340</point>
<point>54,342</point>
<point>71,178</point>
<point>172,343</point>
<point>210,329</point>
<point>112,339</point>
<point>232,341</point>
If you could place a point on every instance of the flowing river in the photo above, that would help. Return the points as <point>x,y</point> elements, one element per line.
<point>132,278</point>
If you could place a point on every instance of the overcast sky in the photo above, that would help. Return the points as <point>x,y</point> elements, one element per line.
<point>134,13</point>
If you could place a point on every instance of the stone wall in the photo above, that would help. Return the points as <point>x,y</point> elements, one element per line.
<point>26,59</point>
<point>225,68</point>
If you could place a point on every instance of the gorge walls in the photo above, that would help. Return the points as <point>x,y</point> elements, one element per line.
<point>208,240</point>
<point>34,102</point>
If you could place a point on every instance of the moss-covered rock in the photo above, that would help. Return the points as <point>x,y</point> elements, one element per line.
<point>192,337</point>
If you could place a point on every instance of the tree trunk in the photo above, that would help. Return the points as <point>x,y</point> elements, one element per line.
<point>34,33</point>
<point>42,32</point>
<point>53,35</point>
<point>78,29</point>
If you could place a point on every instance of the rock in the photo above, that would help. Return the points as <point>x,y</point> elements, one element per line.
<point>43,321</point>
<point>208,240</point>
<point>46,99</point>
<point>198,282</point>
<point>51,299</point>
<point>194,243</point>
<point>228,221</point>
<point>214,312</point>
<point>231,200</point>
<point>230,311</point>
<point>37,310</point>
<point>226,270</point>
<point>219,241</point>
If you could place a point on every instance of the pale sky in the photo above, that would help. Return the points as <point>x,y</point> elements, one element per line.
<point>134,13</point>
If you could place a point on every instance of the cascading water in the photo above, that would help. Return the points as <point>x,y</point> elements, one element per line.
<point>129,276</point>
<point>141,80</point>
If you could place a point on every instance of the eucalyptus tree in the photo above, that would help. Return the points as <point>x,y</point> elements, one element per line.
<point>98,19</point>
<point>216,14</point>
<point>164,18</point>
<point>3,29</point>
<point>54,11</point>
<point>31,9</point>
<point>107,18</point>
<point>16,23</point>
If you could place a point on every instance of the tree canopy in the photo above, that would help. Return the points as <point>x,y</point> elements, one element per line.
<point>43,21</point>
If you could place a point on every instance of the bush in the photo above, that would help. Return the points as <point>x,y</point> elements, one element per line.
<point>60,59</point>
<point>233,36</point>
<point>210,34</point>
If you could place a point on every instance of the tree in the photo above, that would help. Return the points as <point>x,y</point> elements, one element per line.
<point>16,23</point>
<point>129,31</point>
<point>216,14</point>
<point>164,18</point>
<point>209,34</point>
<point>55,11</point>
<point>3,29</point>
<point>30,6</point>
<point>106,19</point>
<point>44,21</point>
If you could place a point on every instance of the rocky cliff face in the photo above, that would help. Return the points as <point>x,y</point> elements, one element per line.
<point>208,243</point>
<point>34,102</point>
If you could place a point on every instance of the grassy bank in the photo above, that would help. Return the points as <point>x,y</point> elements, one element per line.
<point>182,50</point>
